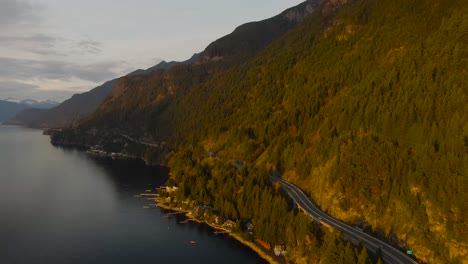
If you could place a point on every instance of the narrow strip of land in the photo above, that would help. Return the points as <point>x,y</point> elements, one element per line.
<point>149,144</point>
<point>389,253</point>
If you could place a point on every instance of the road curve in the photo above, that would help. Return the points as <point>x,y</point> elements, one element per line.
<point>389,253</point>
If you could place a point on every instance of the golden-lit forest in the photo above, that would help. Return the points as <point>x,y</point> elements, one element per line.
<point>363,104</point>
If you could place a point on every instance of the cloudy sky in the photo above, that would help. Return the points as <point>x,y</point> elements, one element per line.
<point>50,49</point>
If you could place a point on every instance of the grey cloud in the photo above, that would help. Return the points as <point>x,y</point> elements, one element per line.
<point>47,45</point>
<point>20,69</point>
<point>36,38</point>
<point>11,89</point>
<point>45,52</point>
<point>20,16</point>
<point>15,12</point>
<point>37,43</point>
<point>89,46</point>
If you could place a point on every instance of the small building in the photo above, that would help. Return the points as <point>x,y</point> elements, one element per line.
<point>229,224</point>
<point>249,226</point>
<point>171,189</point>
<point>279,250</point>
<point>202,208</point>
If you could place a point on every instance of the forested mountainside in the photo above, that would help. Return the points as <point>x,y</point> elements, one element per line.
<point>220,55</point>
<point>71,111</point>
<point>67,113</point>
<point>363,104</point>
<point>137,99</point>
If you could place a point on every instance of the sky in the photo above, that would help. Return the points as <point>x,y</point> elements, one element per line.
<point>51,49</point>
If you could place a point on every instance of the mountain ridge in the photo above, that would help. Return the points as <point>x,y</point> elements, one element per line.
<point>9,108</point>
<point>362,104</point>
<point>72,110</point>
<point>168,86</point>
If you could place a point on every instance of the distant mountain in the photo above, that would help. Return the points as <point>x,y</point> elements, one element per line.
<point>27,116</point>
<point>229,51</point>
<point>39,104</point>
<point>78,106</point>
<point>44,104</point>
<point>9,108</point>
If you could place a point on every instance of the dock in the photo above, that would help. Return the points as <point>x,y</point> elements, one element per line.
<point>186,221</point>
<point>149,195</point>
<point>173,213</point>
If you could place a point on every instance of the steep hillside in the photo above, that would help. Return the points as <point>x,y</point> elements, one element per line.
<point>226,52</point>
<point>71,111</point>
<point>363,105</point>
<point>141,98</point>
<point>246,40</point>
<point>367,111</point>
<point>26,116</point>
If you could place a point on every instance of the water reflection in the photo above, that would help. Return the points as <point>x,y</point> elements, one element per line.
<point>61,205</point>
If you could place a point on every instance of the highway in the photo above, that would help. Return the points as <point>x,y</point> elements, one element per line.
<point>389,253</point>
<point>154,145</point>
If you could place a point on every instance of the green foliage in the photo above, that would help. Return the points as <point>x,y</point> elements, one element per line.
<point>245,195</point>
<point>363,257</point>
<point>367,102</point>
<point>380,95</point>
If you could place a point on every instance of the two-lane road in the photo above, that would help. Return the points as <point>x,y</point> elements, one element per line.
<point>389,253</point>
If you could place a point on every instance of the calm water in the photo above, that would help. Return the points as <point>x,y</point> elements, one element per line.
<point>63,206</point>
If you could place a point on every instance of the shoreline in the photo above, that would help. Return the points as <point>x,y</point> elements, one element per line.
<point>257,249</point>
<point>113,155</point>
<point>261,252</point>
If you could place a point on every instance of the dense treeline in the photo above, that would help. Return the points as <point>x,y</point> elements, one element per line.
<point>365,107</point>
<point>367,111</point>
<point>140,101</point>
<point>245,195</point>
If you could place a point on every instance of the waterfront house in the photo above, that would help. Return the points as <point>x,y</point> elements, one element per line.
<point>229,224</point>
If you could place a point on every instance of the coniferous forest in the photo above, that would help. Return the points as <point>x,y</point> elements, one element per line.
<point>363,104</point>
